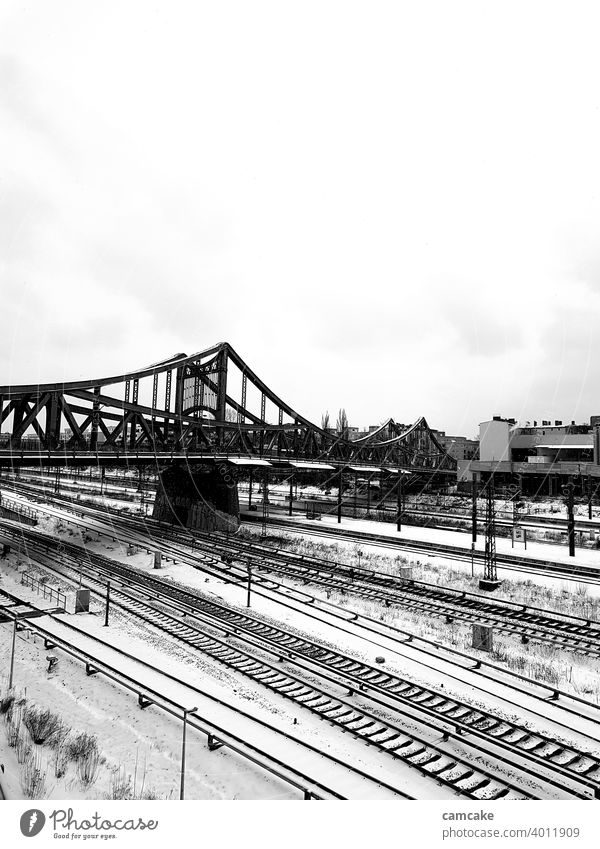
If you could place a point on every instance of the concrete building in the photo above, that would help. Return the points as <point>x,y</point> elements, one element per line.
<point>460,447</point>
<point>539,456</point>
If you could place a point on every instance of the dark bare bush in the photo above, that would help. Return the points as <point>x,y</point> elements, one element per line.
<point>6,703</point>
<point>43,725</point>
<point>81,746</point>
<point>88,766</point>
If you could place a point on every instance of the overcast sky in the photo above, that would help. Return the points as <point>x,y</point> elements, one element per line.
<point>392,207</point>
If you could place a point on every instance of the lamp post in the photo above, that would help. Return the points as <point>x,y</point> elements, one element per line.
<point>186,711</point>
<point>249,582</point>
<point>12,654</point>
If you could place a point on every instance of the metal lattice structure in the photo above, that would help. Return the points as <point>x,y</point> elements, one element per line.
<point>490,572</point>
<point>208,405</point>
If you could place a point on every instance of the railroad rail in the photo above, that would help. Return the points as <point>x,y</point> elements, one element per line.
<point>551,568</point>
<point>402,643</point>
<point>310,786</point>
<point>155,536</point>
<point>528,623</point>
<point>410,748</point>
<point>360,677</point>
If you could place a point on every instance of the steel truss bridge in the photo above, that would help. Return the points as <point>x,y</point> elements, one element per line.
<point>208,407</point>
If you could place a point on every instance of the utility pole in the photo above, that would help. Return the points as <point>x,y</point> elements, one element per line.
<point>474,509</point>
<point>265,511</point>
<point>12,654</point>
<point>250,489</point>
<point>291,494</point>
<point>107,604</point>
<point>186,711</point>
<point>399,501</point>
<point>339,497</point>
<point>249,582</point>
<point>568,492</point>
<point>490,580</point>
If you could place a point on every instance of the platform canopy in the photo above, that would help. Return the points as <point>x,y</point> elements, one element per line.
<point>366,468</point>
<point>300,465</point>
<point>565,446</point>
<point>248,461</point>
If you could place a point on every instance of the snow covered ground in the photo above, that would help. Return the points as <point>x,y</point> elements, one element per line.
<point>557,554</point>
<point>409,661</point>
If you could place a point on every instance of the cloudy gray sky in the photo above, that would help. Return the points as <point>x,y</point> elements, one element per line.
<point>394,207</point>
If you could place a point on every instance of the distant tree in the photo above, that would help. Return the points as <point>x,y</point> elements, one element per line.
<point>341,425</point>
<point>325,421</point>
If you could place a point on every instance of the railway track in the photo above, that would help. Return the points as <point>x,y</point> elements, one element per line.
<point>529,624</point>
<point>311,785</point>
<point>487,678</point>
<point>459,514</point>
<point>382,687</point>
<point>534,565</point>
<point>411,749</point>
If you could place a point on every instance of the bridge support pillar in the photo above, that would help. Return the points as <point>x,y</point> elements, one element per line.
<point>203,497</point>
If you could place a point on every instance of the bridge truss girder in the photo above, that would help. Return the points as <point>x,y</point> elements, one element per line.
<point>187,405</point>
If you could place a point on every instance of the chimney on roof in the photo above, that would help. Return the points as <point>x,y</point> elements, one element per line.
<point>557,422</point>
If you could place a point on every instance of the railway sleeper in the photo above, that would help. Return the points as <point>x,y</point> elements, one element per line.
<point>500,793</point>
<point>591,767</point>
<point>570,759</point>
<point>304,697</point>
<point>362,729</point>
<point>422,759</point>
<point>347,718</point>
<point>480,785</point>
<point>443,767</point>
<point>413,756</point>
<point>293,689</point>
<point>489,723</point>
<point>538,745</point>
<point>341,717</point>
<point>318,702</point>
